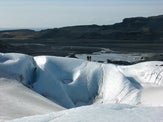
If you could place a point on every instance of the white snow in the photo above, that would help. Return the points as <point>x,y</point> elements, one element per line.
<point>101,113</point>
<point>83,83</point>
<point>72,83</point>
<point>150,76</point>
<point>152,96</point>
<point>146,73</point>
<point>16,100</point>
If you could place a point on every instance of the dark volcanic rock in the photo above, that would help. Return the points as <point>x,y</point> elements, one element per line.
<point>132,34</point>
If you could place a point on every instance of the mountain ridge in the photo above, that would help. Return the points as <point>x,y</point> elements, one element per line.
<point>136,28</point>
<point>132,34</point>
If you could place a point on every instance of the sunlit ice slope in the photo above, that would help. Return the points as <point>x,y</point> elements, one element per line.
<point>16,100</point>
<point>73,82</point>
<point>150,76</point>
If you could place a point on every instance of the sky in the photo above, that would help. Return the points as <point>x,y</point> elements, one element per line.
<point>60,13</point>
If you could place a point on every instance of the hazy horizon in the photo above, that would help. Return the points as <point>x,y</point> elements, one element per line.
<point>43,14</point>
<point>44,28</point>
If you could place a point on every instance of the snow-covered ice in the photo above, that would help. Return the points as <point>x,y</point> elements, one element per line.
<point>74,82</point>
<point>16,100</point>
<point>70,83</point>
<point>101,113</point>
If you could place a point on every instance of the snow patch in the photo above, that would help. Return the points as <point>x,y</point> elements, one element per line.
<point>17,101</point>
<point>101,113</point>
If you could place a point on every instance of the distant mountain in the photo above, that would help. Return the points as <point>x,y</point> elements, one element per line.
<point>132,33</point>
<point>138,28</point>
<point>17,34</point>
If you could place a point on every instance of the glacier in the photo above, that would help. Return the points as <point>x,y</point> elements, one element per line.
<point>70,82</point>
<point>101,113</point>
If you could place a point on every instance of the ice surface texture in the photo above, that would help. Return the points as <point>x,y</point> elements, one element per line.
<point>73,82</point>
<point>101,113</point>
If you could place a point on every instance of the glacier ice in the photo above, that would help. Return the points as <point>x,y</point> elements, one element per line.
<point>17,66</point>
<point>101,113</point>
<point>74,82</point>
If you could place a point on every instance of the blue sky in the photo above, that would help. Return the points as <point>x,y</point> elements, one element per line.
<point>59,13</point>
